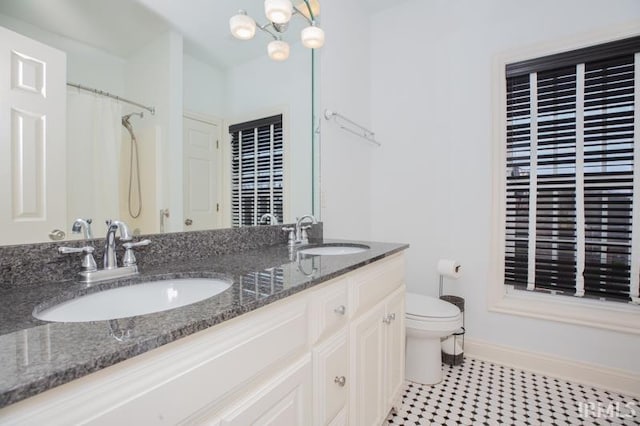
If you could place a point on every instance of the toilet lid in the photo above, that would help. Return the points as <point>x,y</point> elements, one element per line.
<point>419,305</point>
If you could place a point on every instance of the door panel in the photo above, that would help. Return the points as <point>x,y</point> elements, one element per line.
<point>395,346</point>
<point>286,400</point>
<point>367,367</point>
<point>202,176</point>
<point>332,378</point>
<point>32,126</point>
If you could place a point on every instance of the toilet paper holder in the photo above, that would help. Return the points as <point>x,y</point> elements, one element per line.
<point>448,268</point>
<point>452,269</point>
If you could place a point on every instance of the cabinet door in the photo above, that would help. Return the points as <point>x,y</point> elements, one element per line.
<point>367,367</point>
<point>285,400</point>
<point>332,379</point>
<point>395,346</point>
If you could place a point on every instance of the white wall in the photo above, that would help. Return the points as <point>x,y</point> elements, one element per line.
<point>204,87</point>
<point>154,75</point>
<point>345,88</point>
<point>277,87</point>
<point>431,180</point>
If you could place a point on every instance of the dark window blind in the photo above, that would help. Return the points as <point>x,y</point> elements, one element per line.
<point>584,108</point>
<point>555,253</point>
<point>518,175</point>
<point>608,173</point>
<point>257,170</point>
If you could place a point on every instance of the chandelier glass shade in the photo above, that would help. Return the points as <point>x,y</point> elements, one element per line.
<point>312,37</point>
<point>242,26</point>
<point>278,50</point>
<point>278,11</point>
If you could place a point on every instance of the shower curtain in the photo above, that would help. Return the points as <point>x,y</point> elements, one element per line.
<point>94,139</point>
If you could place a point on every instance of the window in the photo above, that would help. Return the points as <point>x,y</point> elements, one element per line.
<point>571,173</point>
<point>256,170</point>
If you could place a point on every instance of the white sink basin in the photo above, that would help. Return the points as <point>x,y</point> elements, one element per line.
<point>138,299</point>
<point>334,249</point>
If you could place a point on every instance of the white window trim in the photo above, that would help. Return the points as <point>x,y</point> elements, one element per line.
<point>587,312</point>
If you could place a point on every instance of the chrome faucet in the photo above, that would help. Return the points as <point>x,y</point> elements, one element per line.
<point>298,234</point>
<point>110,261</point>
<point>84,226</point>
<point>272,218</point>
<point>301,230</point>
<point>90,273</point>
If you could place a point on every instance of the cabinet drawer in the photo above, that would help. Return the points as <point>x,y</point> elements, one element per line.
<point>330,308</point>
<point>373,283</point>
<point>285,400</point>
<point>332,378</point>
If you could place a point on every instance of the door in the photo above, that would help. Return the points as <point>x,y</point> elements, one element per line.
<point>32,140</point>
<point>367,367</point>
<point>202,174</point>
<point>395,345</point>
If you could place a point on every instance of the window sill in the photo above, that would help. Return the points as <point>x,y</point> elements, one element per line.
<point>619,317</point>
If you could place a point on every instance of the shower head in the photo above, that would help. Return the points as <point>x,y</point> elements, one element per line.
<point>125,121</point>
<point>126,117</point>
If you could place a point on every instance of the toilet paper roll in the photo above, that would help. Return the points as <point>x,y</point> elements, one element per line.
<point>449,268</point>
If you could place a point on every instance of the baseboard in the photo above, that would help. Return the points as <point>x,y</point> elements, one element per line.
<point>611,379</point>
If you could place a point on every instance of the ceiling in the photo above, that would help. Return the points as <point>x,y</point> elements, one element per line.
<point>119,27</point>
<point>122,27</point>
<point>374,6</point>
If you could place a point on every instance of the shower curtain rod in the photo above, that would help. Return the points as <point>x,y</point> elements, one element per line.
<point>152,110</point>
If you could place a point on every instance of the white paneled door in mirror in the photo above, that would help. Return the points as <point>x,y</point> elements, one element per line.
<point>32,140</point>
<point>202,174</point>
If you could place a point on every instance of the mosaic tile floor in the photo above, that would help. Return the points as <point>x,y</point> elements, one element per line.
<point>482,393</point>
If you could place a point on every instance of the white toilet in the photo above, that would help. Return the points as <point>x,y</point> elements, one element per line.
<point>427,321</point>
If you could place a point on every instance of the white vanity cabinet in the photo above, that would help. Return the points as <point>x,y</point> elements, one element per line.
<point>377,342</point>
<point>330,355</point>
<point>369,349</point>
<point>190,381</point>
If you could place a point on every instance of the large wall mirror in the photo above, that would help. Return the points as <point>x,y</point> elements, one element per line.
<point>195,161</point>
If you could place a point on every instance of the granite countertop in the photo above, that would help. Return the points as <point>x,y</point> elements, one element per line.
<point>36,355</point>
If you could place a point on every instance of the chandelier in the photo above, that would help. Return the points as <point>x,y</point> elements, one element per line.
<point>279,13</point>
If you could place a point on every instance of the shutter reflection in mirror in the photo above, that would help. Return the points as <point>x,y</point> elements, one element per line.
<point>257,170</point>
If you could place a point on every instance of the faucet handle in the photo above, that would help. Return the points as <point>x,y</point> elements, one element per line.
<point>304,234</point>
<point>88,262</point>
<point>141,243</point>
<point>292,234</point>
<point>129,258</point>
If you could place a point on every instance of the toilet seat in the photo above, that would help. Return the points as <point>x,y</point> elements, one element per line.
<point>425,308</point>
